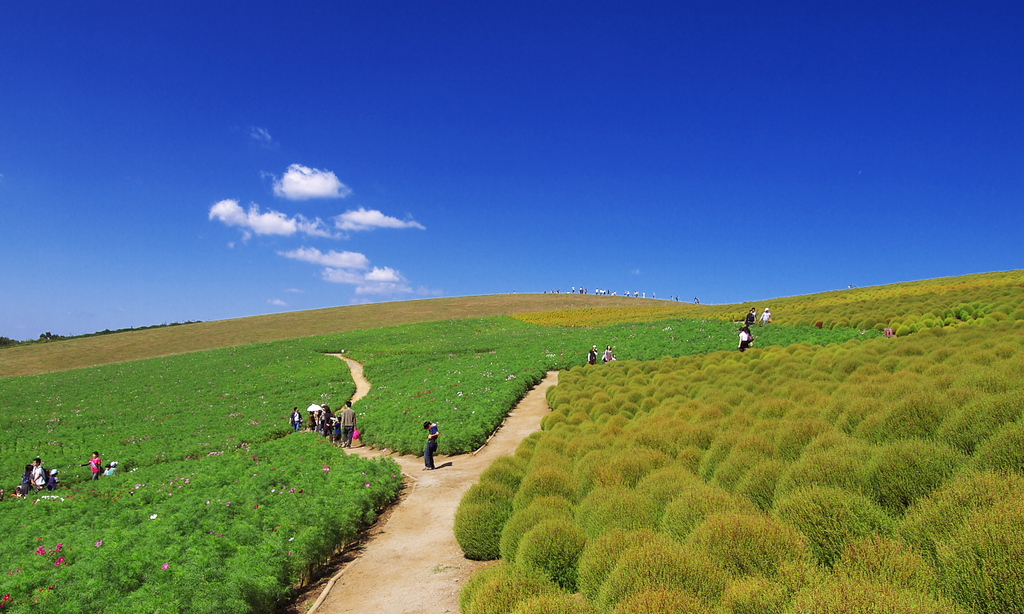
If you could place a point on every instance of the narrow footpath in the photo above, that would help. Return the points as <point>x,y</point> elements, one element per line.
<point>412,563</point>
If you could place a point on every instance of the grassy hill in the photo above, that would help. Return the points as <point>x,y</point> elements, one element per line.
<point>167,341</point>
<point>844,470</point>
<point>906,307</point>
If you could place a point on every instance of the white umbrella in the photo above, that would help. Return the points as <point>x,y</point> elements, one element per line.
<point>314,407</point>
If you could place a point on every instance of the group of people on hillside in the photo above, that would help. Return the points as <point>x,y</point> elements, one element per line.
<point>607,356</point>
<point>341,428</point>
<point>746,337</point>
<point>38,478</point>
<point>338,427</point>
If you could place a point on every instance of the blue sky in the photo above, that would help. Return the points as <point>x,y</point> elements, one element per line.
<point>171,161</point>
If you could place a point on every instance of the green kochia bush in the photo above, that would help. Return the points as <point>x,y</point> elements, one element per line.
<point>552,507</point>
<point>831,518</point>
<point>480,517</point>
<point>553,547</point>
<point>980,564</point>
<point>663,563</point>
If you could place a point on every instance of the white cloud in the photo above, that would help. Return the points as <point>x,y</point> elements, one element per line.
<point>366,219</point>
<point>270,223</point>
<point>340,276</point>
<point>383,289</point>
<point>302,183</point>
<point>277,302</point>
<point>341,260</point>
<point>295,291</point>
<point>386,274</point>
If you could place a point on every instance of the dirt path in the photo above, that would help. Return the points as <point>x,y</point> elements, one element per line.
<point>412,562</point>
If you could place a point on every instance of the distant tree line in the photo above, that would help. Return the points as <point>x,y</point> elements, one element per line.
<point>48,336</point>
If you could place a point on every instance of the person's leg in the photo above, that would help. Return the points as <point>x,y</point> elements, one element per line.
<point>428,454</point>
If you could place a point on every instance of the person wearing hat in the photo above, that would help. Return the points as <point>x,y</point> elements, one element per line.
<point>592,356</point>
<point>766,317</point>
<point>111,468</point>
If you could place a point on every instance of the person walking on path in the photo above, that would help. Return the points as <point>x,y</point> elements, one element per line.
<point>348,424</point>
<point>428,453</point>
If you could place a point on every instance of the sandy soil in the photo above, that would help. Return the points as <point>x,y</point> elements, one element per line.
<point>410,561</point>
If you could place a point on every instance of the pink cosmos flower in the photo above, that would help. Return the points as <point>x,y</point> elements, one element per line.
<point>41,551</point>
<point>60,561</point>
<point>164,566</point>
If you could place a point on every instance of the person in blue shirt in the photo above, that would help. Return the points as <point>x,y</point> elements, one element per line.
<point>428,453</point>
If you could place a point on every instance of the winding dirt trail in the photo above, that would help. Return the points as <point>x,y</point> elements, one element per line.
<point>412,563</point>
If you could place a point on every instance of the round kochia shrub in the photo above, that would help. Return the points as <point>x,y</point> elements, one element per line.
<point>754,595</point>
<point>540,509</point>
<point>830,518</point>
<point>555,604</point>
<point>980,564</point>
<point>845,596</point>
<point>543,481</point>
<point>553,547</point>
<point>695,503</point>
<point>659,564</point>
<point>663,600</point>
<point>932,520</point>
<point>601,555</point>
<point>605,508</point>
<point>749,544</point>
<point>480,518</point>
<point>501,589</point>
<point>904,471</point>
<point>1004,451</point>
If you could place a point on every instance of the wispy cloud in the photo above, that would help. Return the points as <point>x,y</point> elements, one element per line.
<point>368,219</point>
<point>303,183</point>
<point>276,302</point>
<point>253,221</point>
<point>261,136</point>
<point>354,269</point>
<point>341,260</point>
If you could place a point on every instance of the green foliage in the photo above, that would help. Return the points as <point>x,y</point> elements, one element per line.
<point>553,547</point>
<point>754,595</point>
<point>661,600</point>
<point>903,471</point>
<point>980,564</point>
<point>749,544</point>
<point>502,589</point>
<point>663,563</point>
<point>616,507</point>
<point>844,596</point>
<point>480,517</point>
<point>1004,451</point>
<point>831,518</point>
<point>555,604</point>
<point>521,521</point>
